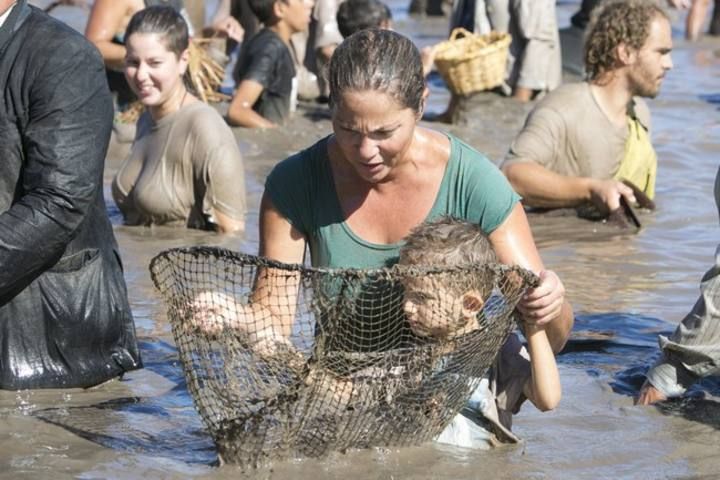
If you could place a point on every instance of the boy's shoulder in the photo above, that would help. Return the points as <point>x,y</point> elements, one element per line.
<point>266,41</point>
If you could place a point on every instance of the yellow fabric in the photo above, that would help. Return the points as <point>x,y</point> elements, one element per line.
<point>639,164</point>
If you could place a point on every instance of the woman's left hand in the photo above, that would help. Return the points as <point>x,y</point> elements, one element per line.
<point>543,304</point>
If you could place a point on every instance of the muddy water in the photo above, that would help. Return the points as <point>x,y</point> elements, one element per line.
<point>625,289</point>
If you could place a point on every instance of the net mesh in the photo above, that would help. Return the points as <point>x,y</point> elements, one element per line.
<point>286,360</point>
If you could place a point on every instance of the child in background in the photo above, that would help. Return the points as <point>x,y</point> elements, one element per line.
<point>267,89</point>
<point>356,15</point>
<point>439,312</point>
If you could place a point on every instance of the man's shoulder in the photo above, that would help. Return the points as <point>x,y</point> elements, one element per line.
<point>566,98</point>
<point>57,39</point>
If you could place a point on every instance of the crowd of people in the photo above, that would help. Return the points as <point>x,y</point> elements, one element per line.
<point>351,199</point>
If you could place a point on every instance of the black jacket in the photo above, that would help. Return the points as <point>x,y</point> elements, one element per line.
<point>64,315</point>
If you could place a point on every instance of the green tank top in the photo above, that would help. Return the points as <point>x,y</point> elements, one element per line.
<point>302,189</point>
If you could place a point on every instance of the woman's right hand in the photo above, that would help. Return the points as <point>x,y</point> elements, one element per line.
<point>543,304</point>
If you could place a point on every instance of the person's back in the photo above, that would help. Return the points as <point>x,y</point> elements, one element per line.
<point>64,316</point>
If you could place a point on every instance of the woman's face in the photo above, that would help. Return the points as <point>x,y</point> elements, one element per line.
<point>153,72</point>
<point>373,132</point>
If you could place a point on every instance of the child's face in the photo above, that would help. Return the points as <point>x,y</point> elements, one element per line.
<point>434,311</point>
<point>297,13</point>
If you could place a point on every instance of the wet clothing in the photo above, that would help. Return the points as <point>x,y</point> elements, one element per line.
<point>534,61</point>
<point>180,169</point>
<point>693,351</point>
<point>303,190</point>
<point>267,60</point>
<point>486,420</point>
<point>323,33</point>
<point>64,314</point>
<point>569,134</point>
<point>473,189</point>
<point>639,164</point>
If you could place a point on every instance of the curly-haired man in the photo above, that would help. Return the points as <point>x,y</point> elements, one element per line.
<point>583,139</point>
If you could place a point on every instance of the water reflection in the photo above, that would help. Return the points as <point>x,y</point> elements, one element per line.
<point>165,426</point>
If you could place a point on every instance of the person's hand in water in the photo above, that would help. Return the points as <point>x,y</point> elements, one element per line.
<point>649,395</point>
<point>543,304</point>
<point>605,194</point>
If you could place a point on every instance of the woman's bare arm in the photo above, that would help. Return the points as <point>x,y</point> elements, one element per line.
<point>545,305</point>
<point>276,290</point>
<point>107,18</point>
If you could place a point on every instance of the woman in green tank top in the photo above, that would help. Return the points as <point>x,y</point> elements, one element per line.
<point>354,196</point>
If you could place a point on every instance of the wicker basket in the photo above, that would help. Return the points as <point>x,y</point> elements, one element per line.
<point>471,63</point>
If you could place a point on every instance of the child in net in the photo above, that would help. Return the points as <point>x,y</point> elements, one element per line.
<point>448,311</point>
<point>435,309</point>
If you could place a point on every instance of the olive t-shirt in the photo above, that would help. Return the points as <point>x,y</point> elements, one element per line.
<point>569,134</point>
<point>267,60</point>
<point>303,190</point>
<point>180,169</point>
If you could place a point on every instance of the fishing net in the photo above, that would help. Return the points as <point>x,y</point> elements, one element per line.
<point>287,361</point>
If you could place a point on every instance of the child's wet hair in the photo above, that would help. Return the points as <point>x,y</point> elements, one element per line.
<point>378,60</point>
<point>263,10</point>
<point>164,21</point>
<point>447,242</point>
<point>355,15</point>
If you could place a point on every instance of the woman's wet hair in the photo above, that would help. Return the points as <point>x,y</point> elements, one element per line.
<point>378,60</point>
<point>164,21</point>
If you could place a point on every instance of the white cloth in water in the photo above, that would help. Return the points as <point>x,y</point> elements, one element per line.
<point>465,430</point>
<point>486,420</point>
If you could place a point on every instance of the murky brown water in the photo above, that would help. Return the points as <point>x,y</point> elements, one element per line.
<point>627,287</point>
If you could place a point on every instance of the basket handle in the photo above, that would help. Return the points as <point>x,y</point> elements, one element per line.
<point>460,31</point>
